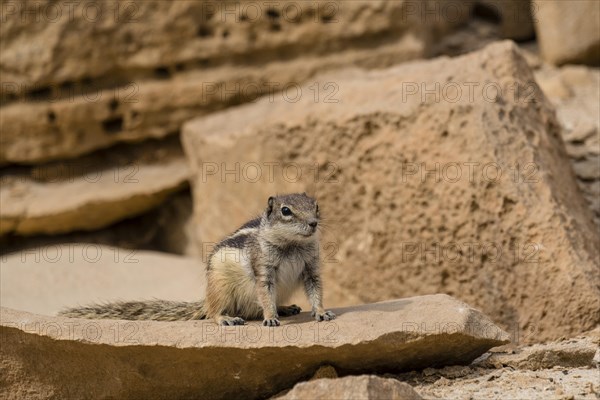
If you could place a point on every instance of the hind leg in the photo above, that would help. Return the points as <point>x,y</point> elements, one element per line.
<point>218,312</point>
<point>286,311</point>
<point>219,295</point>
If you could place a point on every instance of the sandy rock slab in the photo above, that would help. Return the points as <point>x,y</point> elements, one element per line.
<point>366,387</point>
<point>446,175</point>
<point>166,228</point>
<point>46,357</point>
<point>91,192</point>
<point>47,279</point>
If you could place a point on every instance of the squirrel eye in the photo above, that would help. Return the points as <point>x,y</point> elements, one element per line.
<point>286,211</point>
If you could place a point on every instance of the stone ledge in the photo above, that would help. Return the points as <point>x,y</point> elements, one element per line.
<point>184,359</point>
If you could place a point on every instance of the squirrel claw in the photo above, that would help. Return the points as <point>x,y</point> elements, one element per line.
<point>232,321</point>
<point>271,322</point>
<point>324,316</point>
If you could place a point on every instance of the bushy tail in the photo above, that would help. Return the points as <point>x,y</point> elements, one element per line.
<point>156,310</point>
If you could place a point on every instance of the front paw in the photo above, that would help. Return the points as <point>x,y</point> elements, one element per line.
<point>323,316</point>
<point>271,322</point>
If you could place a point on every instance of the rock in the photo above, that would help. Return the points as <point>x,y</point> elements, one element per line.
<point>515,17</point>
<point>159,39</point>
<point>576,152</point>
<point>166,228</point>
<point>580,134</point>
<point>568,32</point>
<point>175,229</point>
<point>325,371</point>
<point>573,91</point>
<point>556,384</point>
<point>352,387</point>
<point>41,131</point>
<point>193,58</point>
<point>487,210</point>
<point>573,353</point>
<point>91,192</point>
<point>596,359</point>
<point>588,169</point>
<point>395,335</point>
<point>47,279</point>
<point>576,107</point>
<point>557,370</point>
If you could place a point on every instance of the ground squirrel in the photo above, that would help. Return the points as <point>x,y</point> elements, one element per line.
<point>250,274</point>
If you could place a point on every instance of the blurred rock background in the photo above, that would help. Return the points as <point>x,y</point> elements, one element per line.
<point>119,122</point>
<point>95,95</point>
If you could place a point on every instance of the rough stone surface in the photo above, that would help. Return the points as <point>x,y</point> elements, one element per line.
<point>572,353</point>
<point>575,92</point>
<point>90,192</point>
<point>45,280</point>
<point>166,72</point>
<point>163,37</point>
<point>568,31</point>
<point>558,370</point>
<point>495,216</point>
<point>458,383</point>
<point>41,131</point>
<point>396,335</point>
<point>367,387</point>
<point>325,371</point>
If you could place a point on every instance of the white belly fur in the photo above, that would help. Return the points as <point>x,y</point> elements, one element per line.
<point>288,278</point>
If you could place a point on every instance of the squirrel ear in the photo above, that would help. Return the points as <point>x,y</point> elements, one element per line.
<point>270,205</point>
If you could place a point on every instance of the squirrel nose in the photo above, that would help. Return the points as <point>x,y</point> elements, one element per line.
<point>313,223</point>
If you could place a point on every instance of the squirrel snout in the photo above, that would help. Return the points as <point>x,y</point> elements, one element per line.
<point>313,223</point>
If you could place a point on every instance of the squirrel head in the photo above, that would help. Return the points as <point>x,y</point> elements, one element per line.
<point>291,218</point>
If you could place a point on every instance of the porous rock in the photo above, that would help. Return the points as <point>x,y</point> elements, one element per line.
<point>175,61</point>
<point>158,39</point>
<point>447,175</point>
<point>364,387</point>
<point>45,357</point>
